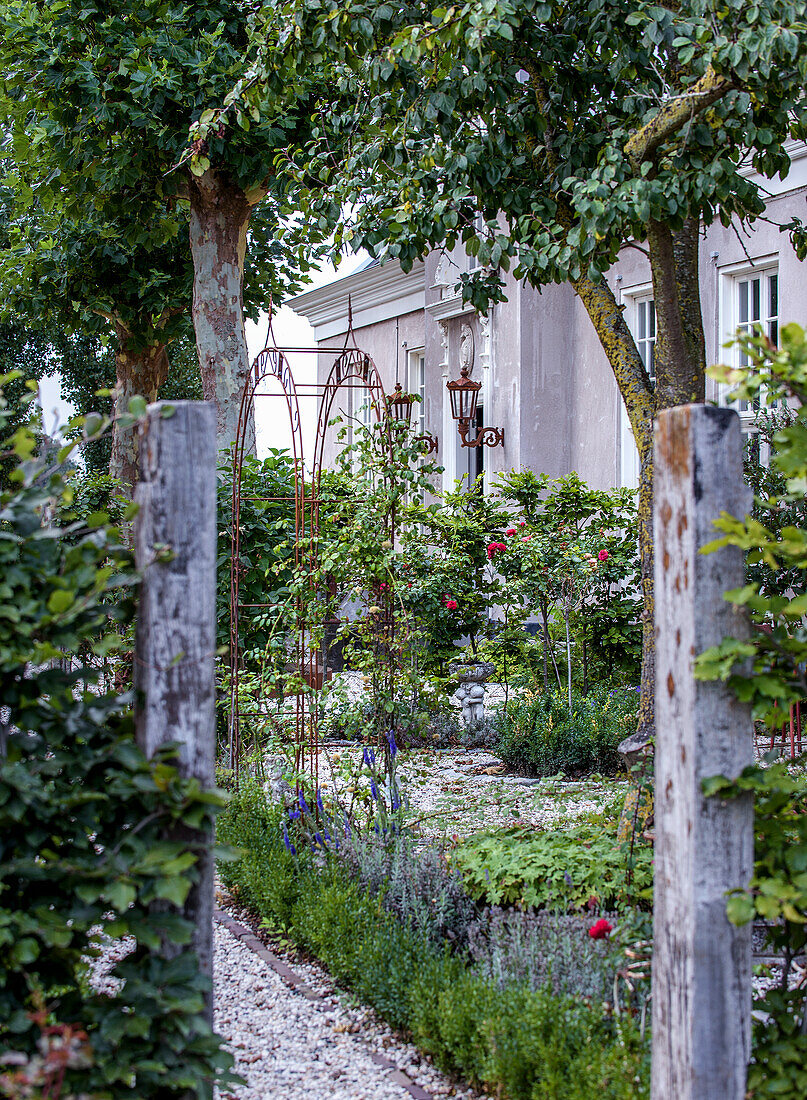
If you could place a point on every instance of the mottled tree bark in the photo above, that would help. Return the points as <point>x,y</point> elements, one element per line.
<point>139,371</point>
<point>219,218</point>
<point>680,346</point>
<point>637,392</point>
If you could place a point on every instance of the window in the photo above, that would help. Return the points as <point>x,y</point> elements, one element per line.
<point>645,333</point>
<point>477,457</point>
<point>417,387</point>
<point>758,303</point>
<point>752,300</point>
<point>641,316</point>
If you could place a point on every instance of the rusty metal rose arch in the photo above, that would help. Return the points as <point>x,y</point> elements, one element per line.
<point>352,369</point>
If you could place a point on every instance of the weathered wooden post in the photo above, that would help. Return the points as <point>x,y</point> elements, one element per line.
<point>176,623</point>
<point>704,847</point>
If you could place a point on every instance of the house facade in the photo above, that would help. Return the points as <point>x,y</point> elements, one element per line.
<point>545,378</point>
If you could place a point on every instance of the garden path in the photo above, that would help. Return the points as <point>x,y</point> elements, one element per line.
<point>459,791</point>
<point>293,1035</point>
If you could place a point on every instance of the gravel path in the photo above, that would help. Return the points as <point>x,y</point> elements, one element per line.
<point>460,791</point>
<point>309,1040</point>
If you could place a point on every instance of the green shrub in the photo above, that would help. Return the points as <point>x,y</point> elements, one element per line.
<point>528,1045</point>
<point>85,817</point>
<point>540,736</point>
<point>563,869</point>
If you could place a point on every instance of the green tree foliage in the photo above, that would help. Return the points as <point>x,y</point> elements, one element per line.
<point>565,130</point>
<point>99,100</point>
<point>84,815</point>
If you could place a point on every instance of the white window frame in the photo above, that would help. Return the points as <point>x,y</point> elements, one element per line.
<point>732,277</point>
<point>416,385</point>
<point>635,299</point>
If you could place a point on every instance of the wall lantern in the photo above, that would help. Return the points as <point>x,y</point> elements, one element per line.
<point>399,405</point>
<point>464,395</point>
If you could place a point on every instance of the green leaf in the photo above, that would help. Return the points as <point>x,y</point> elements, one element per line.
<point>60,600</point>
<point>174,890</point>
<point>740,908</point>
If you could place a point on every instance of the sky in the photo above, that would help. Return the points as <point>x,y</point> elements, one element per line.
<point>271,416</point>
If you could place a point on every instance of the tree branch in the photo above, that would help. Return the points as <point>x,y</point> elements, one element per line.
<point>674,115</point>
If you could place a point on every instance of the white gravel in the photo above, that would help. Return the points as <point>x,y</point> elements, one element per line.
<point>456,792</point>
<point>287,1045</point>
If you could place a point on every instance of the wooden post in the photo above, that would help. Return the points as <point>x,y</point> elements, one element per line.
<point>704,847</point>
<point>176,622</point>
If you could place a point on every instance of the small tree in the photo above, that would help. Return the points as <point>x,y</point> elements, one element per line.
<point>101,98</point>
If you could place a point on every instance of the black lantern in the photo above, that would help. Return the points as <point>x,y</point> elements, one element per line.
<point>399,404</point>
<point>399,407</point>
<point>464,395</point>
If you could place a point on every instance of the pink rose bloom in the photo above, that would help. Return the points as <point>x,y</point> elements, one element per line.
<point>601,929</point>
<point>526,538</point>
<point>510,531</point>
<point>603,555</point>
<point>383,587</point>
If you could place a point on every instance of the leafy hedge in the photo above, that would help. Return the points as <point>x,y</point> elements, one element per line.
<point>83,819</point>
<point>528,1044</point>
<point>540,737</point>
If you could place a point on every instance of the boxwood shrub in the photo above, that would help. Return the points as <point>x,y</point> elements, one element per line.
<point>522,1043</point>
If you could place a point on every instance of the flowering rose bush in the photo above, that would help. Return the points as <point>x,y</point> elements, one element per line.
<point>575,567</point>
<point>601,929</point>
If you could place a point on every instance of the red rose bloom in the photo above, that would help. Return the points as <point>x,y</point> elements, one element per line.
<point>601,929</point>
<point>603,555</point>
<point>451,605</point>
<point>495,548</point>
<point>510,531</point>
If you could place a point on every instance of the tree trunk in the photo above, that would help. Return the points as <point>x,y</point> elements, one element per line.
<point>680,360</point>
<point>680,352</point>
<point>637,392</point>
<point>139,371</point>
<point>219,218</point>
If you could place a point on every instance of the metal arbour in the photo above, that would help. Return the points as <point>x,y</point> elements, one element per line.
<point>351,369</point>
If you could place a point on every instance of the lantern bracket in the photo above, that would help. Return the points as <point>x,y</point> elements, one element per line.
<point>488,437</point>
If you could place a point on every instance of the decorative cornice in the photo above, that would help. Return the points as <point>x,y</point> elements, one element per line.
<point>377,293</point>
<point>446,308</point>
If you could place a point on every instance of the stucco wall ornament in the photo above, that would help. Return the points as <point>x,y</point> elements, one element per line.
<point>444,347</point>
<point>444,278</point>
<point>467,348</point>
